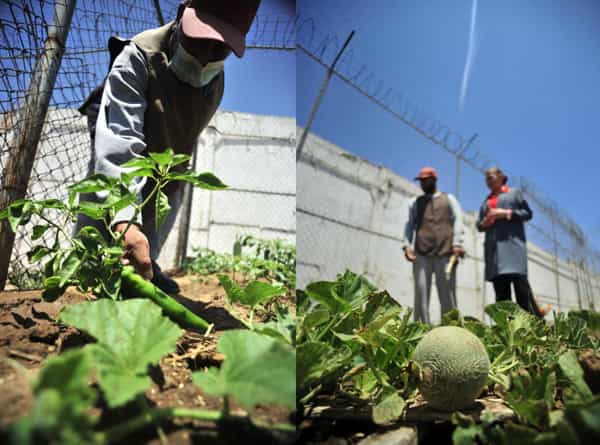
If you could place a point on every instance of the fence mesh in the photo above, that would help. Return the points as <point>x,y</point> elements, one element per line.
<point>63,151</point>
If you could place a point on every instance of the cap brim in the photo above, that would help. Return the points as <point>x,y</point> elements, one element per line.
<point>202,25</point>
<point>418,178</point>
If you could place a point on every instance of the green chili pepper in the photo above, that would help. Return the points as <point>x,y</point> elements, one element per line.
<point>134,286</point>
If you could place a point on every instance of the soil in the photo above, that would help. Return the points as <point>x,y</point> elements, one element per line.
<point>590,363</point>
<point>29,334</point>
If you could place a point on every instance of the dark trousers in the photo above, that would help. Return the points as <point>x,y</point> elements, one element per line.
<point>523,292</point>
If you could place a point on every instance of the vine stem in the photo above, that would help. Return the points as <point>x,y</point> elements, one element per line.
<point>154,415</point>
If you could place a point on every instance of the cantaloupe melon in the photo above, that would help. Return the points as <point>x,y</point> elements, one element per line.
<point>453,367</point>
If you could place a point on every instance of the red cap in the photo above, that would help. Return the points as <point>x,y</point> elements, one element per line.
<point>227,21</point>
<point>427,172</point>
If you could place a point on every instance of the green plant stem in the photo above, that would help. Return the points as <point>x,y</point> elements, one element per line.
<point>138,208</point>
<point>237,315</point>
<point>371,363</point>
<point>56,226</point>
<point>153,415</point>
<point>225,410</point>
<point>327,328</point>
<point>250,318</point>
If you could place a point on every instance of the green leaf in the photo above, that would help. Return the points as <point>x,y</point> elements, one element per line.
<point>237,248</point>
<point>322,291</point>
<point>163,158</point>
<point>531,395</point>
<point>283,327</point>
<point>315,318</point>
<point>505,312</point>
<point>255,293</point>
<point>179,159</point>
<point>4,213</point>
<point>94,183</point>
<point>38,231</point>
<point>584,420</point>
<point>139,162</point>
<point>571,368</point>
<point>118,198</point>
<point>467,432</point>
<point>69,267</point>
<point>52,204</point>
<point>52,290</point>
<point>91,238</point>
<point>258,292</point>
<point>92,209</point>
<point>131,335</point>
<point>388,409</point>
<point>205,180</point>
<point>162,208</point>
<point>317,361</point>
<point>234,292</point>
<point>365,382</point>
<point>19,213</point>
<point>257,370</point>
<point>137,173</point>
<point>61,412</point>
<point>37,253</point>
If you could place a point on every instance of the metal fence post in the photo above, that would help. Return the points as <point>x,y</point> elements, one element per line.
<point>556,264</point>
<point>159,15</point>
<point>317,103</point>
<point>23,148</point>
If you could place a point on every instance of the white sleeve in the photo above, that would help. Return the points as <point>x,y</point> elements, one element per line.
<point>120,124</point>
<point>458,230</point>
<point>411,223</point>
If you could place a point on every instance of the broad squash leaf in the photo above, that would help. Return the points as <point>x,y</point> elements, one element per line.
<point>254,293</point>
<point>131,335</point>
<point>257,369</point>
<point>63,399</point>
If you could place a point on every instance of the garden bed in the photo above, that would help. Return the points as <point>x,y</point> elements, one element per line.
<point>29,334</point>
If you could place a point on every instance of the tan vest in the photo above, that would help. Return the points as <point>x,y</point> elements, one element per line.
<point>434,225</point>
<point>177,113</point>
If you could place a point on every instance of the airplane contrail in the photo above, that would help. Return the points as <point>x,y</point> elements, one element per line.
<point>470,57</point>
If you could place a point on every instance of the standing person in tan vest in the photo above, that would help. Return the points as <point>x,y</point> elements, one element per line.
<point>163,87</point>
<point>435,219</point>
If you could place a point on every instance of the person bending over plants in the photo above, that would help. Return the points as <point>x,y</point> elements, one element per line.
<point>163,87</point>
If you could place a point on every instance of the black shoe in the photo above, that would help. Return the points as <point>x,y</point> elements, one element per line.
<point>163,282</point>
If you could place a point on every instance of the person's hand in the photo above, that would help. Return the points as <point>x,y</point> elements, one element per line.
<point>488,221</point>
<point>458,251</point>
<point>137,250</point>
<point>409,254</point>
<point>498,213</point>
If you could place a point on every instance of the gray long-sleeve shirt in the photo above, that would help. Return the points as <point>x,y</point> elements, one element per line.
<point>117,125</point>
<point>120,124</point>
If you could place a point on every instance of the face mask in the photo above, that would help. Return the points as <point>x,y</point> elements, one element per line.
<point>187,68</point>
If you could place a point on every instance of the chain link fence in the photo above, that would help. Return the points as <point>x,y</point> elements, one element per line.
<point>57,48</point>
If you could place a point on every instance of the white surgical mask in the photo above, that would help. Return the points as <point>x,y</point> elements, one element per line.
<point>189,70</point>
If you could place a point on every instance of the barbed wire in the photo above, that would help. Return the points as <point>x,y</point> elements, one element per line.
<point>322,49</point>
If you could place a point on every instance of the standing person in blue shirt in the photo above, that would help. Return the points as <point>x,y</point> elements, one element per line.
<point>163,87</point>
<point>435,220</point>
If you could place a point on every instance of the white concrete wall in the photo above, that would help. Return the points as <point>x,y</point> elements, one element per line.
<point>253,154</point>
<point>351,214</point>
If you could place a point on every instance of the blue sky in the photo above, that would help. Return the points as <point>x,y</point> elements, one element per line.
<point>532,97</point>
<point>263,81</point>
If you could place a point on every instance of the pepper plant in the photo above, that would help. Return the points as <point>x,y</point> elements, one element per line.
<point>90,260</point>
